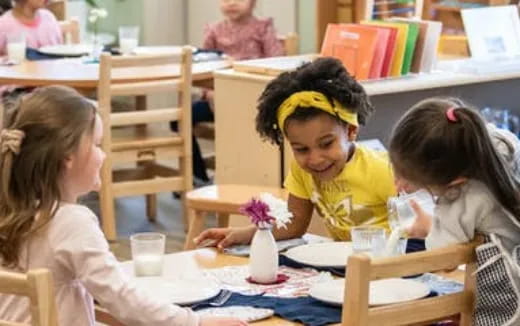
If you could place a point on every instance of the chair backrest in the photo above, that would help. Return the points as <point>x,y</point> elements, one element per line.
<point>290,43</point>
<point>361,270</point>
<point>181,84</point>
<point>58,8</point>
<point>38,285</point>
<point>70,31</point>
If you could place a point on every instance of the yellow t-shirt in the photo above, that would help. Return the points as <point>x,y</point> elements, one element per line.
<point>357,196</point>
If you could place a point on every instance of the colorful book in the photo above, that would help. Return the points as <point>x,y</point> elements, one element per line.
<point>411,41</point>
<point>402,35</point>
<point>379,52</point>
<point>353,44</point>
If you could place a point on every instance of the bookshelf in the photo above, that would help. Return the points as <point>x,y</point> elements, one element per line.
<point>354,11</point>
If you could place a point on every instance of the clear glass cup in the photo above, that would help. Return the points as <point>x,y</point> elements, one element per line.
<point>364,237</point>
<point>148,253</point>
<point>128,39</point>
<point>401,213</point>
<point>16,47</point>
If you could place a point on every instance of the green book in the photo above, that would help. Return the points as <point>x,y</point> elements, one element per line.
<point>411,40</point>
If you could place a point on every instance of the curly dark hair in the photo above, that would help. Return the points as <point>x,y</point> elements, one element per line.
<point>324,75</point>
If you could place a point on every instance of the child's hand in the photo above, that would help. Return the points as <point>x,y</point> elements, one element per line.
<point>225,237</point>
<point>221,321</point>
<point>422,224</point>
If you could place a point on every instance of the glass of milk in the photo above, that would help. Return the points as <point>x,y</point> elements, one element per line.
<point>16,47</point>
<point>148,253</point>
<point>128,39</point>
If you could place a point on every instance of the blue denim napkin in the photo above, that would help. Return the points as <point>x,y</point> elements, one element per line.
<point>305,310</point>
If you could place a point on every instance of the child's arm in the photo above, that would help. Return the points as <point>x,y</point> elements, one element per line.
<point>225,237</point>
<point>271,46</point>
<point>210,39</point>
<point>82,250</point>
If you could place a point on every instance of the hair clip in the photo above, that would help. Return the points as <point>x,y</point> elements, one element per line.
<point>450,115</point>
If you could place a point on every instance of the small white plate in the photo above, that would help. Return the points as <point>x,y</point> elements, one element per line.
<point>248,314</point>
<point>158,50</point>
<point>177,291</point>
<point>326,254</point>
<point>67,50</point>
<point>382,292</point>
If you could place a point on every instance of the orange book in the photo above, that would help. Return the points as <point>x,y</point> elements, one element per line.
<point>353,44</point>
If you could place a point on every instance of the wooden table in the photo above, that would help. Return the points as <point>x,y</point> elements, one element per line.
<point>75,73</point>
<point>189,262</point>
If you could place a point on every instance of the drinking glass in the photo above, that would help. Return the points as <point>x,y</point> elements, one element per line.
<point>363,237</point>
<point>16,47</point>
<point>128,39</point>
<point>148,253</point>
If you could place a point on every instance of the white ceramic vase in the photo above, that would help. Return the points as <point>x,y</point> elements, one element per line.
<point>263,257</point>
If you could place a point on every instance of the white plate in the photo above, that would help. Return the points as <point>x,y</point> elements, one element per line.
<point>68,50</point>
<point>248,314</point>
<point>158,50</point>
<point>382,292</point>
<point>326,254</point>
<point>177,291</point>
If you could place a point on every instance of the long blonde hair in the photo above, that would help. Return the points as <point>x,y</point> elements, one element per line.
<point>50,123</point>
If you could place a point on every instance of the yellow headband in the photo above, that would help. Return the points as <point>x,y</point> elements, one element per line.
<point>316,100</point>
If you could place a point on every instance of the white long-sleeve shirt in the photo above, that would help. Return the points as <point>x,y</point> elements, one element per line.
<point>74,249</point>
<point>474,210</point>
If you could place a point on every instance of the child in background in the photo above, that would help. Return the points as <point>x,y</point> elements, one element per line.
<point>446,148</point>
<point>32,19</point>
<point>50,156</point>
<point>318,108</point>
<point>240,36</point>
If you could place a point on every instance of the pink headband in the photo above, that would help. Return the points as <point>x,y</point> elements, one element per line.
<point>450,115</point>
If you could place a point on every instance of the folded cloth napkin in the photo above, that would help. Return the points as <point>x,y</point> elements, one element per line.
<point>34,55</point>
<point>305,310</point>
<point>286,261</point>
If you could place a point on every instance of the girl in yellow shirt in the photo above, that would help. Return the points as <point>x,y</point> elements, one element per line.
<point>318,109</point>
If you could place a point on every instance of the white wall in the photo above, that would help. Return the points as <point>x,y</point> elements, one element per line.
<point>163,22</point>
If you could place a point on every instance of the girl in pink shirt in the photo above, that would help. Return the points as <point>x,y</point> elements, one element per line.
<point>30,18</point>
<point>51,156</point>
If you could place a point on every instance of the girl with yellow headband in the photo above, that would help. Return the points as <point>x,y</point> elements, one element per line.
<point>318,109</point>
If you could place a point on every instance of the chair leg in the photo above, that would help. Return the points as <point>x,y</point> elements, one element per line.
<point>197,224</point>
<point>151,207</point>
<point>186,212</point>
<point>222,220</point>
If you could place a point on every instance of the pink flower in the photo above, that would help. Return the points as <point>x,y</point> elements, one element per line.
<point>258,212</point>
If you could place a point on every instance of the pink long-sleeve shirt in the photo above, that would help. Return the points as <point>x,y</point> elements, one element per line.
<point>254,38</point>
<point>44,31</point>
<point>74,249</point>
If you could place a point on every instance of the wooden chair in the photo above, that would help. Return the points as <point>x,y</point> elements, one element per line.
<point>223,200</point>
<point>58,8</point>
<point>361,270</point>
<point>206,130</point>
<point>38,285</point>
<point>70,31</point>
<point>130,139</point>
